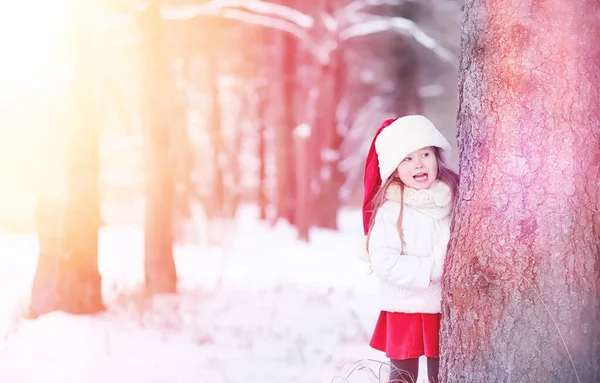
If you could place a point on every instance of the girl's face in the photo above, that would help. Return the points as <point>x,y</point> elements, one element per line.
<point>419,169</point>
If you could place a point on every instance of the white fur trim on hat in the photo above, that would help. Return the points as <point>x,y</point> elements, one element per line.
<point>404,136</point>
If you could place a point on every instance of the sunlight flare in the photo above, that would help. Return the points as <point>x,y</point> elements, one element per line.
<point>36,63</point>
<point>33,36</point>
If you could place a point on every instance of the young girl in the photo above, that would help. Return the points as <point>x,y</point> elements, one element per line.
<point>406,216</point>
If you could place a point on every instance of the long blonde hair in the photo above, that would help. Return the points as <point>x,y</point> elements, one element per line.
<point>445,174</point>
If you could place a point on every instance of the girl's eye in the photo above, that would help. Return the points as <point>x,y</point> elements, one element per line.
<point>425,154</point>
<point>407,159</point>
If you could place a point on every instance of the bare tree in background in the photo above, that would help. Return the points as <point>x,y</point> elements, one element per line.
<point>260,55</point>
<point>521,296</point>
<point>161,276</point>
<point>282,85</point>
<point>313,50</point>
<point>217,201</point>
<point>330,177</point>
<point>68,213</point>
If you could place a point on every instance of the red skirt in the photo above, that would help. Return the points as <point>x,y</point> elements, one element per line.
<point>406,336</point>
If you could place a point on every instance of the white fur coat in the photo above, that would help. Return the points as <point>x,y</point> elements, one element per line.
<point>410,279</point>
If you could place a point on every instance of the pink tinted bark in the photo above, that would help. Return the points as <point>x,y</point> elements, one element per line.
<point>522,279</point>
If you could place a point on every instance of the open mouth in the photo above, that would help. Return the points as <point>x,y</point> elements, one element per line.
<point>421,177</point>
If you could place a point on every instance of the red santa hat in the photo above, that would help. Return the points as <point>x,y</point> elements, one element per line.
<point>372,179</point>
<point>395,139</point>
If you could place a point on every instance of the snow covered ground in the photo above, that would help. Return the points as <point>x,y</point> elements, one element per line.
<point>262,308</point>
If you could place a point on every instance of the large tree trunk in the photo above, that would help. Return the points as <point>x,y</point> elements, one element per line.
<point>68,213</point>
<point>159,266</point>
<point>522,282</point>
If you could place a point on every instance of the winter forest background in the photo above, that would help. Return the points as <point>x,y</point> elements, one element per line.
<point>180,182</point>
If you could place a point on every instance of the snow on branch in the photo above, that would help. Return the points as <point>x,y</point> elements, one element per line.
<point>355,7</point>
<point>401,25</point>
<point>216,7</point>
<point>330,22</point>
<point>266,21</point>
<point>255,12</point>
<point>299,24</point>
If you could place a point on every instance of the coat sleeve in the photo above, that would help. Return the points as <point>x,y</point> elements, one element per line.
<point>389,265</point>
<point>438,254</point>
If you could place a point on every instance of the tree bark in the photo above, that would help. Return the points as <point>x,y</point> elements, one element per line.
<point>68,212</point>
<point>521,300</point>
<point>159,266</point>
<point>219,154</point>
<point>262,153</point>
<point>303,217</point>
<point>288,181</point>
<point>330,176</point>
<point>281,72</point>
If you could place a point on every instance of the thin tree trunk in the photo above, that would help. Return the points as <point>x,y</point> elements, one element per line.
<point>68,213</point>
<point>304,156</point>
<point>262,157</point>
<point>236,193</point>
<point>407,99</point>
<point>161,276</point>
<point>288,181</point>
<point>306,147</point>
<point>521,299</point>
<point>301,147</point>
<point>180,150</point>
<point>217,200</point>
<point>280,73</point>
<point>330,176</point>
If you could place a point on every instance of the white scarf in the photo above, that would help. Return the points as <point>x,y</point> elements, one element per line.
<point>435,201</point>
